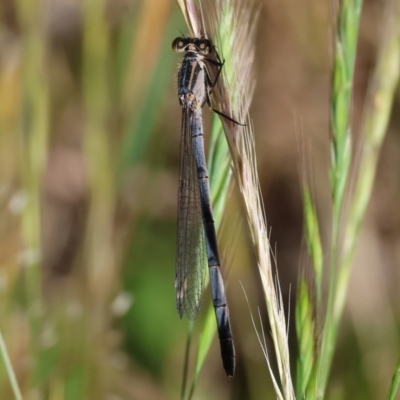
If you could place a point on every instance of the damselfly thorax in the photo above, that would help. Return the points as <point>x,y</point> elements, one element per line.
<point>194,82</point>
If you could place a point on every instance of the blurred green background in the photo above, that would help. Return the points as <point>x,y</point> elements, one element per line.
<point>89,158</point>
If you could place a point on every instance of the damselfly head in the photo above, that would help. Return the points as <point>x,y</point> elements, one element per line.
<point>201,46</point>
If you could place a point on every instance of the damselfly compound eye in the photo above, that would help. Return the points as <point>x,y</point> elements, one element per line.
<point>203,46</point>
<point>179,44</point>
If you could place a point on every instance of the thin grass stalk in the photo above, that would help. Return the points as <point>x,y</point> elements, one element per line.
<point>219,169</point>
<point>341,97</point>
<point>206,338</point>
<point>99,245</point>
<point>305,328</point>
<point>100,267</point>
<point>33,141</point>
<point>394,384</point>
<point>309,294</point>
<point>313,239</point>
<point>9,369</point>
<point>263,344</point>
<point>187,357</point>
<point>32,154</point>
<point>305,311</point>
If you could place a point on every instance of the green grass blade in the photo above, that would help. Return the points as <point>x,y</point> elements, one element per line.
<point>34,127</point>
<point>313,240</point>
<point>187,357</point>
<point>9,369</point>
<point>207,335</point>
<point>306,337</point>
<point>96,46</point>
<point>32,158</point>
<point>343,72</point>
<point>219,169</point>
<point>394,384</point>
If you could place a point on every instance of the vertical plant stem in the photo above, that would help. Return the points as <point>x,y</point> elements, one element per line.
<point>343,72</point>
<point>394,385</point>
<point>9,369</point>
<point>306,337</point>
<point>186,363</point>
<point>32,152</point>
<point>313,240</point>
<point>100,255</point>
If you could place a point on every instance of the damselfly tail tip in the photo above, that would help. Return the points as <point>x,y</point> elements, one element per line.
<point>228,357</point>
<point>231,373</point>
<point>230,369</point>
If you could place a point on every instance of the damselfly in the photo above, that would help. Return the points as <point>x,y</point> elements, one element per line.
<point>197,242</point>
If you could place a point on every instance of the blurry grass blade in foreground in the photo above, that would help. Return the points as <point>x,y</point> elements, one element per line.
<point>394,385</point>
<point>196,230</point>
<point>9,369</point>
